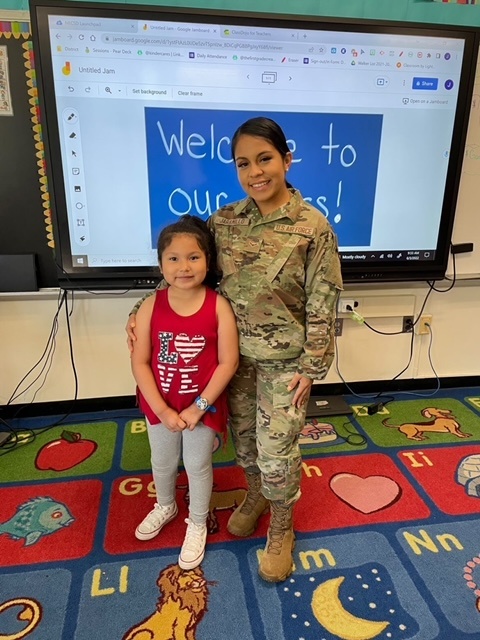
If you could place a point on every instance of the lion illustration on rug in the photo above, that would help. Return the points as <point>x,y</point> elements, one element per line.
<point>180,608</point>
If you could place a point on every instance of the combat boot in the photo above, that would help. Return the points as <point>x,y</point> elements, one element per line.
<point>243,520</point>
<point>276,562</point>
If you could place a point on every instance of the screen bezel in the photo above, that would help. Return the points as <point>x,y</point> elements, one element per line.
<point>71,277</point>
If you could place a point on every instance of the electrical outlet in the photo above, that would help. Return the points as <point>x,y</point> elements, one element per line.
<point>407,325</point>
<point>338,326</point>
<point>347,305</point>
<point>421,326</point>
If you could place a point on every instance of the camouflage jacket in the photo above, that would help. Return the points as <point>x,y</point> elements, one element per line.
<point>281,274</point>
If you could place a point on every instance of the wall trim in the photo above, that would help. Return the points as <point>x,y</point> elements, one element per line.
<point>126,403</point>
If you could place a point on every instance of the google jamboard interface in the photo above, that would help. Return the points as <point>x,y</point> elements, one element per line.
<point>146,112</point>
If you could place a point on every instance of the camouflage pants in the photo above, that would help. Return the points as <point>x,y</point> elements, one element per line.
<point>266,426</point>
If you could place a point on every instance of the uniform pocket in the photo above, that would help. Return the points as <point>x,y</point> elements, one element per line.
<point>282,397</point>
<point>286,420</point>
<point>280,260</point>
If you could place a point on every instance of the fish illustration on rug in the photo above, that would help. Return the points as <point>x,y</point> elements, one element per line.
<point>36,518</point>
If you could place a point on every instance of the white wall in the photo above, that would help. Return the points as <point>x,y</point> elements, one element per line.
<point>102,359</point>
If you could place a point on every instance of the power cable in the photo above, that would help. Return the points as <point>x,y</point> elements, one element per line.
<point>29,435</point>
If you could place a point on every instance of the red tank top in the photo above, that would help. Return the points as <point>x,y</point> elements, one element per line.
<point>184,357</point>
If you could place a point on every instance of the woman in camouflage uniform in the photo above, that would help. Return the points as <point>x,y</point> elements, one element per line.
<point>281,273</point>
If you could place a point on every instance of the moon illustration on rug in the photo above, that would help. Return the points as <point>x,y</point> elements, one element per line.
<point>330,613</point>
<point>31,613</point>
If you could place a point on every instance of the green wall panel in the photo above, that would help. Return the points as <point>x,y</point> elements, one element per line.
<point>434,12</point>
<point>345,8</point>
<point>385,9</point>
<point>16,5</point>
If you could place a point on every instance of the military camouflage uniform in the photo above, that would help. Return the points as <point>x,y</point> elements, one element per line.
<point>281,274</point>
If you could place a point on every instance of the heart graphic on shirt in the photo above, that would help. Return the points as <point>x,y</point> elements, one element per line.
<point>367,495</point>
<point>189,348</point>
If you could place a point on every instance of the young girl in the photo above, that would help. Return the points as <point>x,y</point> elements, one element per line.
<point>185,355</point>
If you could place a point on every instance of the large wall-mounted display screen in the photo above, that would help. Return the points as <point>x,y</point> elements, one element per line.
<point>140,104</point>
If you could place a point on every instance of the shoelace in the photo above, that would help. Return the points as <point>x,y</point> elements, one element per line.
<point>278,529</point>
<point>250,502</point>
<point>194,535</point>
<point>158,513</point>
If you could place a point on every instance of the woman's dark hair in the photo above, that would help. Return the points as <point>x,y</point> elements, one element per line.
<point>265,128</point>
<point>193,226</point>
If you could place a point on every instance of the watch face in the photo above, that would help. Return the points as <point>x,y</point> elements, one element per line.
<point>201,403</point>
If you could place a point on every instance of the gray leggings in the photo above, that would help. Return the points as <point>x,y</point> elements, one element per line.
<point>195,447</point>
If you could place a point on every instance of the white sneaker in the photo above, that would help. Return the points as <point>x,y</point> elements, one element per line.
<point>152,524</point>
<point>193,548</point>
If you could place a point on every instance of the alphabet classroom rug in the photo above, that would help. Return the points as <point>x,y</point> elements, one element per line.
<point>388,534</point>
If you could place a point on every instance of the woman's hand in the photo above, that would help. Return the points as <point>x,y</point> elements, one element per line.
<point>303,386</point>
<point>130,329</point>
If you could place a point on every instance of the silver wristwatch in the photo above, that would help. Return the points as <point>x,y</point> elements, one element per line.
<point>202,403</point>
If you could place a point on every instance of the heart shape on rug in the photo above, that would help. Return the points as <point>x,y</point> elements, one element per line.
<point>189,348</point>
<point>367,495</point>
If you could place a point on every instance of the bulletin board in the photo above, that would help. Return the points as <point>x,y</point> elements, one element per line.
<point>24,202</point>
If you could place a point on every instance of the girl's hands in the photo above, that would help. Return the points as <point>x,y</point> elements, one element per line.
<point>172,420</point>
<point>192,416</point>
<point>303,386</point>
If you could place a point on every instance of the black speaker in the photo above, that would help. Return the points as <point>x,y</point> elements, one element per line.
<point>18,272</point>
